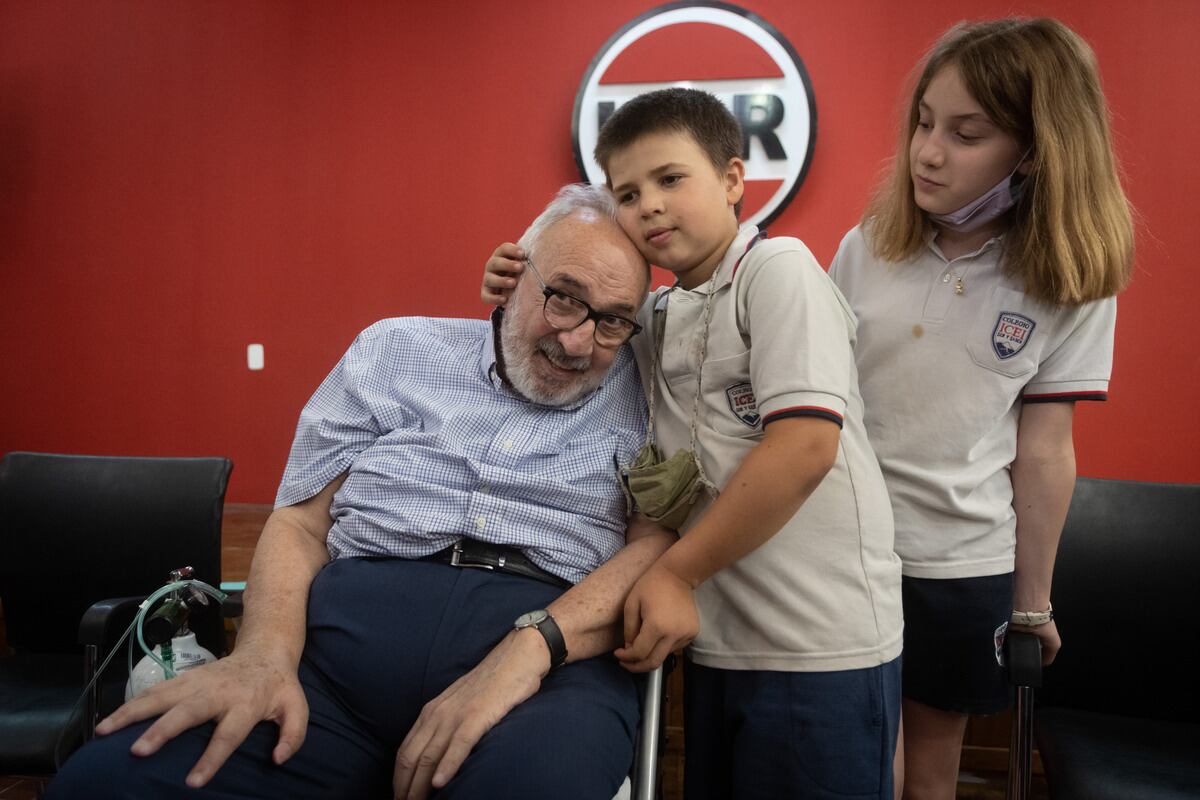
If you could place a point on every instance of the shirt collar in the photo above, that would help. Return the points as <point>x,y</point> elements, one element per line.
<point>931,243</point>
<point>745,239</point>
<point>488,368</point>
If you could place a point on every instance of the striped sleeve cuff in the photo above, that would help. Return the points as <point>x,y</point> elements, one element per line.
<point>804,411</point>
<point>1064,397</point>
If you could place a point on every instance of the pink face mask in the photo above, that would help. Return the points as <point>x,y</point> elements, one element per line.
<point>986,207</point>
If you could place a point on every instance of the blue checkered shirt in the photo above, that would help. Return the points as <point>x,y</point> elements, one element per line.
<point>437,447</point>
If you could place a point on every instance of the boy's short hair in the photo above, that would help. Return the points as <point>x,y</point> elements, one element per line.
<point>690,111</point>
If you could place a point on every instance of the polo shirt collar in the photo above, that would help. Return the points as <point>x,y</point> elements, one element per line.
<point>745,239</point>
<point>931,243</point>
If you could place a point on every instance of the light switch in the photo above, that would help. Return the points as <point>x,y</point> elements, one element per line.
<point>255,356</point>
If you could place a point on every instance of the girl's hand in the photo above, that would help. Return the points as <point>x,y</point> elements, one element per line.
<point>501,272</point>
<point>660,617</point>
<point>1048,633</point>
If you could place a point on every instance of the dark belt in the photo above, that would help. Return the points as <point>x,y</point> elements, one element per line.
<point>474,554</point>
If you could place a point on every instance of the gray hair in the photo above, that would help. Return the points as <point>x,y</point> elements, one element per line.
<point>572,198</point>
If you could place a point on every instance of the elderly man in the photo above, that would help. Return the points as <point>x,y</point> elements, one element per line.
<point>382,657</point>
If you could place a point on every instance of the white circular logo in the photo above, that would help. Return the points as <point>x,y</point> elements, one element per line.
<point>731,53</point>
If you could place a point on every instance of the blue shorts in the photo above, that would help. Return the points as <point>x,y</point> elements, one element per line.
<point>760,735</point>
<point>950,642</point>
<point>385,636</point>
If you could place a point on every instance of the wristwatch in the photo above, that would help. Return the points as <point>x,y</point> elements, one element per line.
<point>544,624</point>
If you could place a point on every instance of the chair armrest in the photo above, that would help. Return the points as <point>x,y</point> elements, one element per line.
<point>1023,654</point>
<point>107,619</point>
<point>231,606</point>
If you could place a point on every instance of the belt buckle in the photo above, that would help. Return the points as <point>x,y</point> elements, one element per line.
<point>456,554</point>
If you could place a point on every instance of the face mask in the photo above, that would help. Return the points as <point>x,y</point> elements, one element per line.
<point>984,209</point>
<point>665,491</point>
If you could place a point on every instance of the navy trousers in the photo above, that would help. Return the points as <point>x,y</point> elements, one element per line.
<point>761,735</point>
<point>385,636</point>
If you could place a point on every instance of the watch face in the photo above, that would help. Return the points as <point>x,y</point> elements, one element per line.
<point>531,618</point>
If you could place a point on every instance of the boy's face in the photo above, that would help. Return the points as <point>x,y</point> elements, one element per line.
<point>674,204</point>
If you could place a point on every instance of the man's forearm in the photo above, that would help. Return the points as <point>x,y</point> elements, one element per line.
<point>289,554</point>
<point>589,614</point>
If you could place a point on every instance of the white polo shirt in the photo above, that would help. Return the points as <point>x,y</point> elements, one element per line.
<point>823,593</point>
<point>944,376</point>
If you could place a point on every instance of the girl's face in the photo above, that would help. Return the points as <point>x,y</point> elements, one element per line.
<point>957,153</point>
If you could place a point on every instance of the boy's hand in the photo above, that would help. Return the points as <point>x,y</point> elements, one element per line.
<point>500,273</point>
<point>660,617</point>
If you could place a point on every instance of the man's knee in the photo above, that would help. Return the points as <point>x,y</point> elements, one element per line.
<point>104,769</point>
<point>573,739</point>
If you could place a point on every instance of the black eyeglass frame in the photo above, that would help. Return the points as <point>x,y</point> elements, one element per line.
<point>591,313</point>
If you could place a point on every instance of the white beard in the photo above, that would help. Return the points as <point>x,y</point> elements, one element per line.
<point>519,368</point>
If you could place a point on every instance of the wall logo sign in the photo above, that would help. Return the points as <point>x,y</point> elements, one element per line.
<point>725,50</point>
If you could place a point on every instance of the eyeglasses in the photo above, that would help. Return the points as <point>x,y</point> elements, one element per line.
<point>566,313</point>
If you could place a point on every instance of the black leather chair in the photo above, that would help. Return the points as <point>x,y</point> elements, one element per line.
<point>1118,713</point>
<point>77,531</point>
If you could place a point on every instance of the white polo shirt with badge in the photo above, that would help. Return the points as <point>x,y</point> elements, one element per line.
<point>944,374</point>
<point>823,594</point>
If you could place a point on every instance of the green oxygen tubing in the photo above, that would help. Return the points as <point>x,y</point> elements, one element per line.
<point>190,584</point>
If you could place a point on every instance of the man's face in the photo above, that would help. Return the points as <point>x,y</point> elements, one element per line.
<point>587,256</point>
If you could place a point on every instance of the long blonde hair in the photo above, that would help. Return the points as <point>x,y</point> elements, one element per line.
<point>1071,234</point>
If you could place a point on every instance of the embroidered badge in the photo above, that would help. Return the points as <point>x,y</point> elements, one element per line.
<point>1011,333</point>
<point>742,403</point>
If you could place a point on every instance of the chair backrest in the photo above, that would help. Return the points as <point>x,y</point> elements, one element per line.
<point>78,529</point>
<point>1127,601</point>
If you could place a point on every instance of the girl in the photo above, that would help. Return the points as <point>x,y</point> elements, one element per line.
<point>983,276</point>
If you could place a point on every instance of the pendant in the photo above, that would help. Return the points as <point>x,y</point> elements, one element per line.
<point>959,287</point>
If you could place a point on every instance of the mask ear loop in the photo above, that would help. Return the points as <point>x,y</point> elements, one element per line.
<point>659,328</point>
<point>703,476</point>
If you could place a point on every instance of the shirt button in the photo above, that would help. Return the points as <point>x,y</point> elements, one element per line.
<point>508,443</point>
<point>480,522</point>
<point>485,489</point>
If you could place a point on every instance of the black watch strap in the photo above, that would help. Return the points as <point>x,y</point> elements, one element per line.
<point>548,628</point>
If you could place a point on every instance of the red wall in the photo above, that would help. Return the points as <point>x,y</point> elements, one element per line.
<point>179,179</point>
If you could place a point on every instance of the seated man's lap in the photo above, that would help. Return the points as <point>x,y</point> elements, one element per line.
<point>386,636</point>
<point>336,760</point>
<point>574,738</point>
<point>575,735</point>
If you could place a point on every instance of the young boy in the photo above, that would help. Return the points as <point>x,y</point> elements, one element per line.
<point>792,679</point>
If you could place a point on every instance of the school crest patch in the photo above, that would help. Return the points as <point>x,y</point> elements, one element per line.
<point>742,403</point>
<point>1011,334</point>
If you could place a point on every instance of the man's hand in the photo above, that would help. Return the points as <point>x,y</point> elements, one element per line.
<point>660,617</point>
<point>500,274</point>
<point>236,692</point>
<point>452,723</point>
